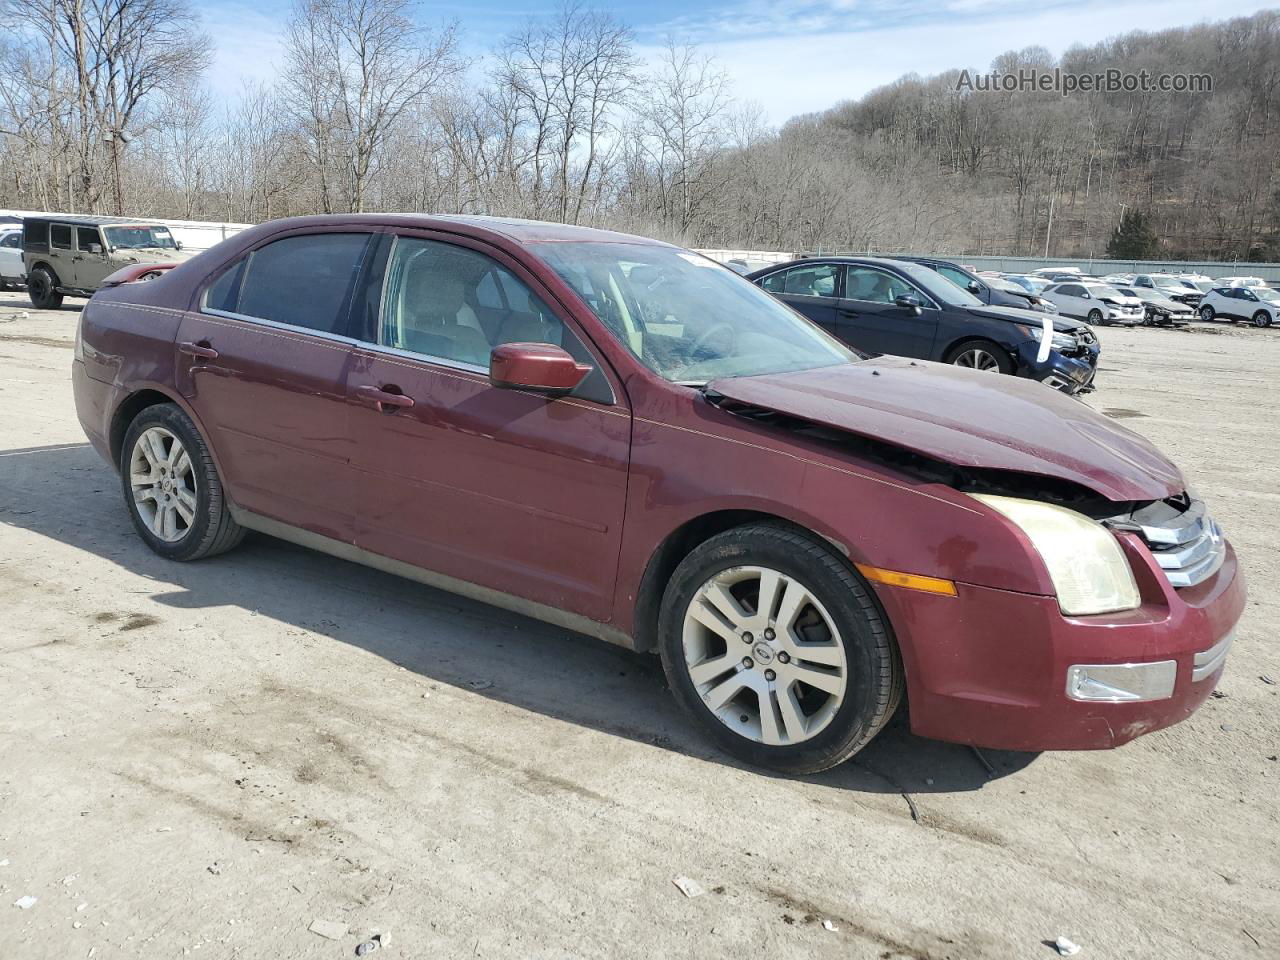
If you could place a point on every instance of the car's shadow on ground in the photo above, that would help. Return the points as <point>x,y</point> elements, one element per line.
<point>65,492</point>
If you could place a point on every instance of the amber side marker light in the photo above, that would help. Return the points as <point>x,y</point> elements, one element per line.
<point>911,581</point>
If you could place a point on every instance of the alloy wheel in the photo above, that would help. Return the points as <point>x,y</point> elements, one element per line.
<point>163,483</point>
<point>977,359</point>
<point>764,655</point>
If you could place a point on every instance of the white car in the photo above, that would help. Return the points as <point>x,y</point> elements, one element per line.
<point>1096,302</point>
<point>12,273</point>
<point>1050,271</point>
<point>1160,310</point>
<point>1240,282</point>
<point>1258,305</point>
<point>1175,288</point>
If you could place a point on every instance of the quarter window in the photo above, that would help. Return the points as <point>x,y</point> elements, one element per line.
<point>876,286</point>
<point>304,281</point>
<point>457,304</point>
<point>60,236</point>
<point>818,280</point>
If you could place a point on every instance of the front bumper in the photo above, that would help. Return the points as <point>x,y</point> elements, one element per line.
<point>1070,374</point>
<point>993,668</point>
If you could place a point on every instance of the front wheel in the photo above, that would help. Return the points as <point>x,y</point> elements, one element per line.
<point>172,489</point>
<point>42,288</point>
<point>778,649</point>
<point>1206,314</point>
<point>980,355</point>
<point>1262,319</point>
<point>1095,317</point>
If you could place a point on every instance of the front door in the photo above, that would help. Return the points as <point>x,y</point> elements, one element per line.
<point>502,488</point>
<point>90,259</point>
<point>264,365</point>
<point>868,318</point>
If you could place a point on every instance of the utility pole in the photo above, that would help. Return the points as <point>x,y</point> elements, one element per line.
<point>1048,230</point>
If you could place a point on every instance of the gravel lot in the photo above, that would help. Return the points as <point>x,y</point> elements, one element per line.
<point>213,757</point>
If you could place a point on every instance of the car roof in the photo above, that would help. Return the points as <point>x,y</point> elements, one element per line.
<point>512,228</point>
<point>88,221</point>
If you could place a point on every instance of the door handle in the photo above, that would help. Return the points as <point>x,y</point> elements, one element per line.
<point>845,312</point>
<point>201,351</point>
<point>386,399</point>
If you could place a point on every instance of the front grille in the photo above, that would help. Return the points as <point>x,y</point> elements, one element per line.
<point>1183,538</point>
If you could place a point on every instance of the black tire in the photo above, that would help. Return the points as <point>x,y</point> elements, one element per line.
<point>1207,314</point>
<point>42,289</point>
<point>1262,319</point>
<point>1004,363</point>
<point>874,668</point>
<point>213,529</point>
<point>1095,317</point>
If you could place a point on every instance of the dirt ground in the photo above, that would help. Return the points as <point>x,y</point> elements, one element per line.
<point>207,759</point>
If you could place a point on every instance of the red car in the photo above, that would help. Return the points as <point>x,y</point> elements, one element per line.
<point>622,437</point>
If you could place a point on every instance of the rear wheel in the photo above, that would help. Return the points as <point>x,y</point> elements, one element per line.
<point>1262,319</point>
<point>172,488</point>
<point>777,648</point>
<point>980,355</point>
<point>1206,313</point>
<point>42,288</point>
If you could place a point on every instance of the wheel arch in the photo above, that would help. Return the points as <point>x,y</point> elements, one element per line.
<point>687,537</point>
<point>971,337</point>
<point>45,264</point>
<point>138,398</point>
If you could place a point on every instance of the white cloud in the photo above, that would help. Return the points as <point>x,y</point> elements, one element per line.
<point>795,57</point>
<point>248,46</point>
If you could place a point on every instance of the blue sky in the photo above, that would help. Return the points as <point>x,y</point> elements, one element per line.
<point>790,56</point>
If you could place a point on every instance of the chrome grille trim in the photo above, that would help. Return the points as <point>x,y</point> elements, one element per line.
<point>1188,546</point>
<point>1210,661</point>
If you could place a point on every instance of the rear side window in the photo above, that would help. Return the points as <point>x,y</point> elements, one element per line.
<point>818,280</point>
<point>304,281</point>
<point>36,234</point>
<point>60,236</point>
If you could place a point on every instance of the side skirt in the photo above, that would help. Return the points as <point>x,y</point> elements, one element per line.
<point>496,598</point>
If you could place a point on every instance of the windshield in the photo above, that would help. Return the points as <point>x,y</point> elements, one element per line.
<point>687,318</point>
<point>137,238</point>
<point>1102,292</point>
<point>1266,293</point>
<point>938,286</point>
<point>1169,283</point>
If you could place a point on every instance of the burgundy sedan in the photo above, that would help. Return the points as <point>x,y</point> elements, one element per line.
<point>624,438</point>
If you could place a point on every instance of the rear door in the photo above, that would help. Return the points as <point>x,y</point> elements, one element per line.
<point>263,362</point>
<point>812,289</point>
<point>868,318</point>
<point>511,490</point>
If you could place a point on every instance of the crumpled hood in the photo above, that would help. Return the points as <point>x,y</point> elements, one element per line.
<point>968,419</point>
<point>1031,318</point>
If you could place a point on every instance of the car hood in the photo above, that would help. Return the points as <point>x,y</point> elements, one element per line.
<point>968,419</point>
<point>151,255</point>
<point>1032,318</point>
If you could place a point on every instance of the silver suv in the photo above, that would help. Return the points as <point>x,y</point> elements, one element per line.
<point>73,255</point>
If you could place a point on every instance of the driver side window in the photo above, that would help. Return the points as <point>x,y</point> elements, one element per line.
<point>875,286</point>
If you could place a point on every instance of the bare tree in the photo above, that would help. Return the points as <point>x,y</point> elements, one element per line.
<point>354,68</point>
<point>118,54</point>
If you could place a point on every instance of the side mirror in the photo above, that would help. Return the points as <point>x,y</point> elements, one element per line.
<point>1086,295</point>
<point>95,248</point>
<point>975,286</point>
<point>177,244</point>
<point>540,367</point>
<point>909,303</point>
